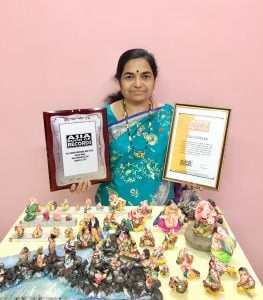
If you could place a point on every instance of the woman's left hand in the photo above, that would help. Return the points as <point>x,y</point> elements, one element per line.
<point>81,186</point>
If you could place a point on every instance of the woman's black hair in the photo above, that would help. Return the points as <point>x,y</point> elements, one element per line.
<point>124,58</point>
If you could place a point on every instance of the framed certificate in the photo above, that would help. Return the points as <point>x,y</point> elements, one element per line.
<point>196,145</point>
<point>77,146</point>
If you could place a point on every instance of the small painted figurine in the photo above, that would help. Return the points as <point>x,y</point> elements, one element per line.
<point>188,202</point>
<point>68,232</point>
<point>170,218</point>
<point>40,258</point>
<point>110,221</point>
<point>88,204</point>
<point>136,219</point>
<point>99,277</point>
<point>170,239</point>
<point>46,215</point>
<point>31,210</point>
<point>19,230</point>
<point>147,239</point>
<point>145,258</point>
<point>55,231</point>
<point>86,238</point>
<point>223,245</point>
<point>68,217</point>
<point>185,259</point>
<point>70,245</point>
<point>127,245</point>
<point>164,270</point>
<point>99,206</point>
<point>51,205</point>
<point>52,254</point>
<point>116,203</point>
<point>145,208</point>
<point>212,283</point>
<point>57,216</point>
<point>38,231</point>
<point>221,267</point>
<point>2,274</point>
<point>152,276</point>
<point>24,257</point>
<point>158,255</point>
<point>65,205</point>
<point>206,217</point>
<point>246,284</point>
<point>178,285</point>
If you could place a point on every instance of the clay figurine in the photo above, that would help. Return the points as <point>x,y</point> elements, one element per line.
<point>223,245</point>
<point>127,245</point>
<point>65,205</point>
<point>19,230</point>
<point>158,256</point>
<point>86,238</point>
<point>51,205</point>
<point>246,284</point>
<point>99,206</point>
<point>178,285</point>
<point>38,231</point>
<point>88,204</point>
<point>55,231</point>
<point>46,215</point>
<point>24,257</point>
<point>68,217</point>
<point>145,208</point>
<point>57,216</point>
<point>188,202</point>
<point>212,283</point>
<point>185,259</point>
<point>39,259</point>
<point>164,270</point>
<point>206,217</point>
<point>170,239</point>
<point>136,219</point>
<point>31,210</point>
<point>147,239</point>
<point>116,203</point>
<point>110,221</point>
<point>52,254</point>
<point>170,218</point>
<point>2,274</point>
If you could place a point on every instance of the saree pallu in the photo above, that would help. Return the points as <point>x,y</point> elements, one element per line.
<point>136,179</point>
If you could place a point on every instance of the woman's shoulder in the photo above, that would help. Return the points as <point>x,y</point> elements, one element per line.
<point>166,107</point>
<point>110,115</point>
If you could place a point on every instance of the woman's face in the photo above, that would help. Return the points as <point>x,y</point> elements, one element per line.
<point>137,81</point>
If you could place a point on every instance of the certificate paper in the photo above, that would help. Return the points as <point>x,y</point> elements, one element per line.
<point>196,145</point>
<point>77,146</point>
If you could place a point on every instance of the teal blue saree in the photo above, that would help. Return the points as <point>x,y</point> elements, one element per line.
<point>136,179</point>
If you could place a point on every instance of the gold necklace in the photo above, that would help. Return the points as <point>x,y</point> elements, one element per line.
<point>138,153</point>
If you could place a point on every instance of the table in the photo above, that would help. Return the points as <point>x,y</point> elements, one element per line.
<point>195,287</point>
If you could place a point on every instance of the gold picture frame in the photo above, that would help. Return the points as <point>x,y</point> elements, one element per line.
<point>196,145</point>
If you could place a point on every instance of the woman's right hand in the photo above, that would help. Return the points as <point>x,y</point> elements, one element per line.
<point>82,186</point>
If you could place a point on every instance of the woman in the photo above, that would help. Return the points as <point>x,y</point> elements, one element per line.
<point>138,132</point>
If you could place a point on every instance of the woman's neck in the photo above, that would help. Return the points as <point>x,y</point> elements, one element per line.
<point>137,107</point>
<point>117,108</point>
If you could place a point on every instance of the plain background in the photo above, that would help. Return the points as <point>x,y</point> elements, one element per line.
<point>63,54</point>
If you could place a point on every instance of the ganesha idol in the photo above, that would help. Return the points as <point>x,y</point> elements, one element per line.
<point>206,217</point>
<point>170,219</point>
<point>116,203</point>
<point>136,219</point>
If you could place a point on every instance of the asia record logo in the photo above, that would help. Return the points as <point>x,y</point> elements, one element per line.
<point>79,140</point>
